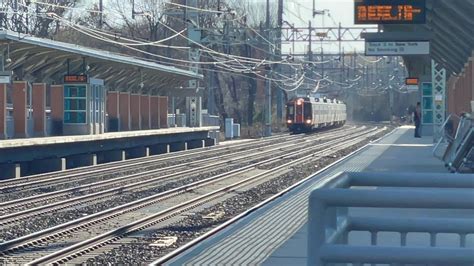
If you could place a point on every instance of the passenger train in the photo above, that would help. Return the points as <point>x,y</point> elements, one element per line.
<point>304,114</point>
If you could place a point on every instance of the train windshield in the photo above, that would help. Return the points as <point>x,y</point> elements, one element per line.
<point>290,110</point>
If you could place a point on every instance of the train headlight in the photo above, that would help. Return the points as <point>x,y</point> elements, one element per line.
<point>289,121</point>
<point>308,121</point>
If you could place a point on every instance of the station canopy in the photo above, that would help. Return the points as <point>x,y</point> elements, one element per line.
<point>43,60</point>
<point>451,25</point>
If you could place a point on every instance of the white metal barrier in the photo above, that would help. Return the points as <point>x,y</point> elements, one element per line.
<point>455,146</point>
<point>330,219</point>
<point>210,120</point>
<point>180,120</point>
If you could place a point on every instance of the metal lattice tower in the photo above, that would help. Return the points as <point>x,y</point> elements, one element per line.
<point>193,104</point>
<point>438,76</point>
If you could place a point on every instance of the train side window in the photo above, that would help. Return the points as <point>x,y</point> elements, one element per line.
<point>307,110</point>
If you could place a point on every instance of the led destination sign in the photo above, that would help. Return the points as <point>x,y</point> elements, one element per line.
<point>412,81</point>
<point>75,79</point>
<point>390,11</point>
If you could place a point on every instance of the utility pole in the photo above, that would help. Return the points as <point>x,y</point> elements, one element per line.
<point>278,56</point>
<point>210,95</point>
<point>366,73</point>
<point>310,53</point>
<point>339,37</point>
<point>101,14</point>
<point>267,21</point>
<point>15,15</point>
<point>322,62</point>
<point>268,76</point>
<point>342,74</point>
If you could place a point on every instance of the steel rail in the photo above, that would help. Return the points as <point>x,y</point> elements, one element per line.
<point>175,253</point>
<point>122,166</point>
<point>35,198</point>
<point>40,197</point>
<point>64,204</point>
<point>117,165</point>
<point>62,229</point>
<point>65,254</point>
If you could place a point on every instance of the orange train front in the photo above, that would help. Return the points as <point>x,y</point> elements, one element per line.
<point>304,114</point>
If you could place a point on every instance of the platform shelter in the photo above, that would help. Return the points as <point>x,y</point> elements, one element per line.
<point>49,87</point>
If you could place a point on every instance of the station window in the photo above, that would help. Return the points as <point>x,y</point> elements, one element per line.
<point>427,117</point>
<point>427,90</point>
<point>75,107</point>
<point>75,117</point>
<point>427,103</point>
<point>75,91</point>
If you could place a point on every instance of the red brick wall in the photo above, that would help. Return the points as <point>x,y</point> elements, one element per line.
<point>145,111</point>
<point>135,111</point>
<point>451,94</point>
<point>461,91</point>
<point>470,72</point>
<point>124,111</point>
<point>154,112</point>
<point>19,108</point>
<point>113,104</point>
<point>3,111</point>
<point>57,102</point>
<point>163,105</point>
<point>39,108</point>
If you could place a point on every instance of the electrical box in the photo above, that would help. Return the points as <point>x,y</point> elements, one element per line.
<point>193,108</point>
<point>229,128</point>
<point>236,130</point>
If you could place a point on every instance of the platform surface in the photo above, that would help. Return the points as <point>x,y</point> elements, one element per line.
<point>276,233</point>
<point>11,143</point>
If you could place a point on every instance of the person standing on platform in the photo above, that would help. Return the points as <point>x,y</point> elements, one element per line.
<point>417,119</point>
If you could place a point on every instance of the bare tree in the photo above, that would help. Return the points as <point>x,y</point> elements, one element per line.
<point>39,19</point>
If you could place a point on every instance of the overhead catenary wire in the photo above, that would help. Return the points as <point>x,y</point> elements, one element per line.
<point>243,63</point>
<point>195,8</point>
<point>93,35</point>
<point>206,49</point>
<point>155,43</point>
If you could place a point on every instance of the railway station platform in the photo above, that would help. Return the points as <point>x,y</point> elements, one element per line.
<point>276,233</point>
<point>20,157</point>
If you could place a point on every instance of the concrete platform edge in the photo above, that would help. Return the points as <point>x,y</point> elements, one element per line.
<point>186,249</point>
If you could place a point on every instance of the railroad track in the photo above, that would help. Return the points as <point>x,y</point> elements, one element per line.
<point>85,172</point>
<point>129,182</point>
<point>94,220</point>
<point>16,217</point>
<point>124,168</point>
<point>163,256</point>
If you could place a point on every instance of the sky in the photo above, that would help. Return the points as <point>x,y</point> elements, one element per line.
<point>341,11</point>
<point>299,12</point>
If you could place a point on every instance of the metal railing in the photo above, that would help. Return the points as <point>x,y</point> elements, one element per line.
<point>211,120</point>
<point>180,120</point>
<point>10,126</point>
<point>455,146</point>
<point>176,120</point>
<point>331,218</point>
